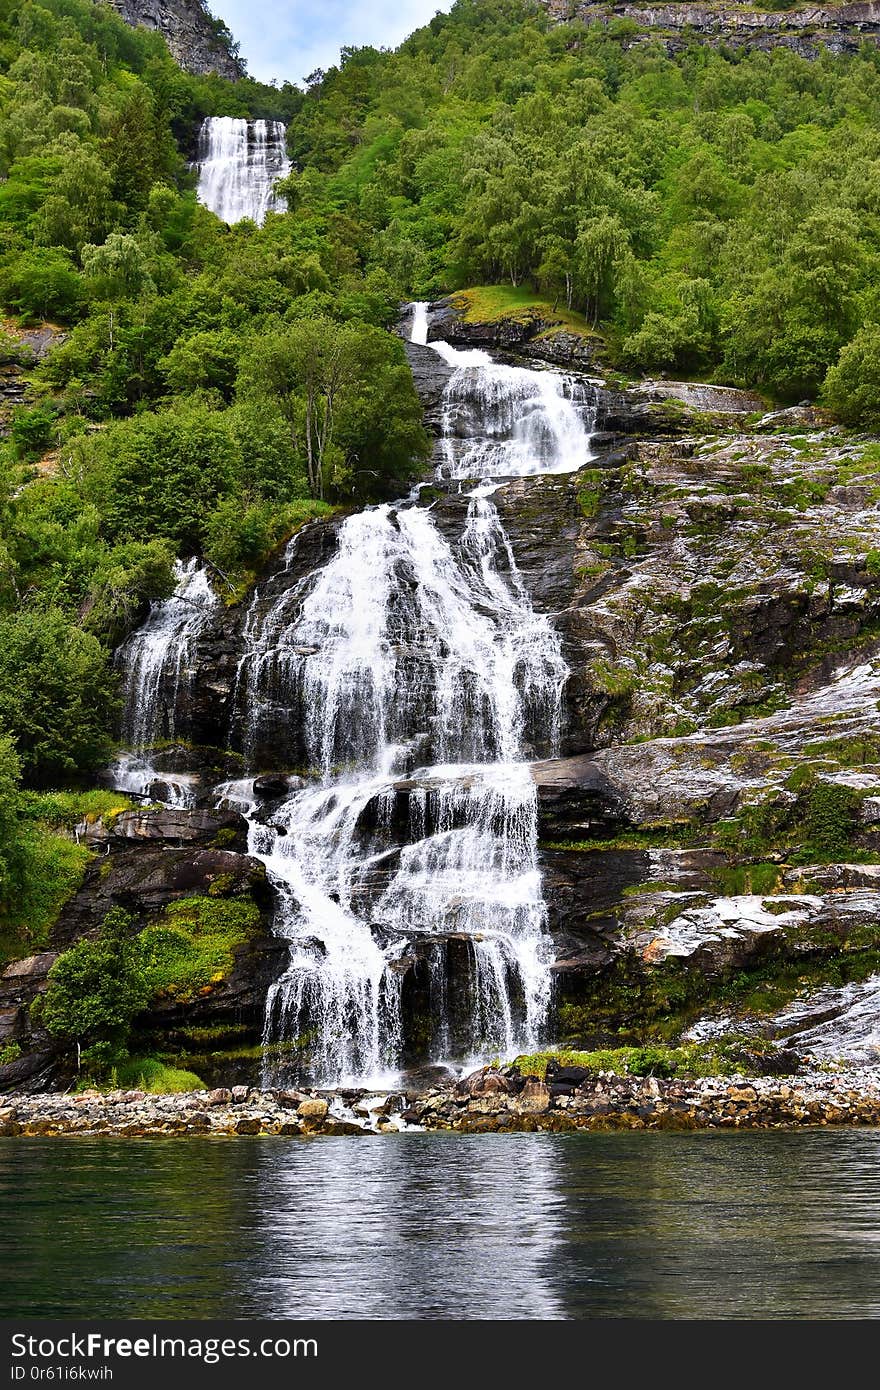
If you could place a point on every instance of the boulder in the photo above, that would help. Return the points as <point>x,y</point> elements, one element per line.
<point>533,1099</point>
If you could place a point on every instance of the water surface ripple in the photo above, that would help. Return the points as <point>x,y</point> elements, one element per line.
<point>753,1225</point>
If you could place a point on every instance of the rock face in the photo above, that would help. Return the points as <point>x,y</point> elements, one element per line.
<point>806,31</point>
<point>145,862</point>
<point>528,332</point>
<point>198,42</point>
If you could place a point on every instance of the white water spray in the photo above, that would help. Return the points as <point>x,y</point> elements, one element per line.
<point>157,664</point>
<point>239,162</point>
<point>420,676</point>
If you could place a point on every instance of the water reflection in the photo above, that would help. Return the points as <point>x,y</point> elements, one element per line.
<point>424,1228</point>
<point>444,1226</point>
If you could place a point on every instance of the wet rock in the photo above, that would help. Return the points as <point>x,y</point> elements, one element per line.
<point>220,1096</point>
<point>339,1127</point>
<point>313,1111</point>
<point>568,1076</point>
<point>239,1095</point>
<point>178,826</point>
<point>247,1126</point>
<point>430,375</point>
<point>484,1082</point>
<point>272,784</point>
<point>533,1099</point>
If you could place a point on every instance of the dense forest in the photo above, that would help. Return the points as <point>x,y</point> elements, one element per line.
<point>210,388</point>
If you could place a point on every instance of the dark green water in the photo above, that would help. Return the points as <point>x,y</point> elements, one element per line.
<point>756,1225</point>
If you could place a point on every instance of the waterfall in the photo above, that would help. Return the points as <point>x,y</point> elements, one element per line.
<point>409,682</point>
<point>503,422</point>
<point>239,162</point>
<point>156,663</point>
<point>411,661</point>
<point>420,681</point>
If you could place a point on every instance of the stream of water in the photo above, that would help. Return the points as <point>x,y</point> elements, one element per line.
<point>420,681</point>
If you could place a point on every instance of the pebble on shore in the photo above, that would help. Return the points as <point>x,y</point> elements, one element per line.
<point>488,1100</point>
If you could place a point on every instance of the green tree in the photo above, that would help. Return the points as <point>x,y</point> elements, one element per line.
<point>41,284</point>
<point>346,396</point>
<point>205,362</point>
<point>58,695</point>
<point>852,386</point>
<point>95,991</point>
<point>160,475</point>
<point>118,269</point>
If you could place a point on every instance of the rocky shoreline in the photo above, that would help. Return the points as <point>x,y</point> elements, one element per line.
<point>487,1101</point>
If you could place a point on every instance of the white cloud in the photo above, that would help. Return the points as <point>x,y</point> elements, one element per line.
<point>289,40</point>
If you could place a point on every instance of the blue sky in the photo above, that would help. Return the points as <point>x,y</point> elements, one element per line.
<point>288,40</point>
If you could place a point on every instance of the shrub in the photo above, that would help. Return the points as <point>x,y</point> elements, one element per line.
<point>852,387</point>
<point>58,694</point>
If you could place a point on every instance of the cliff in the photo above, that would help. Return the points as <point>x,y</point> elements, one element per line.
<point>806,31</point>
<point>200,43</point>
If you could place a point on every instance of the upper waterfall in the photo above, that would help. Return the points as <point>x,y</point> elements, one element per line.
<point>239,162</point>
<point>503,421</point>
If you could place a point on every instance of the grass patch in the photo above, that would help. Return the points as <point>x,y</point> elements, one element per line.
<point>690,1059</point>
<point>489,303</point>
<point>63,810</point>
<point>152,1075</point>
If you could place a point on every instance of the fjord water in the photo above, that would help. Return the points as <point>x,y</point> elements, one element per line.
<point>703,1225</point>
<point>238,163</point>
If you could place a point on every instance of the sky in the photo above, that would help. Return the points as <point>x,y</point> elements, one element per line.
<point>288,39</point>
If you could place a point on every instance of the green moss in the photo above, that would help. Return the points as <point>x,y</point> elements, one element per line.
<point>846,752</point>
<point>612,678</point>
<point>589,493</point>
<point>192,949</point>
<point>635,890</point>
<point>225,837</point>
<point>738,879</point>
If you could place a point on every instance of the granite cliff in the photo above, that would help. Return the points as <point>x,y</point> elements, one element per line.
<point>199,42</point>
<point>805,30</point>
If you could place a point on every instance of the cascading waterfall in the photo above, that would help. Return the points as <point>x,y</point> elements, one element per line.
<point>416,671</point>
<point>239,162</point>
<point>411,681</point>
<point>502,422</point>
<point>157,667</point>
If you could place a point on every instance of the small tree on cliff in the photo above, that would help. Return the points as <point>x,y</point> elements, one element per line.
<point>95,990</point>
<point>852,387</point>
